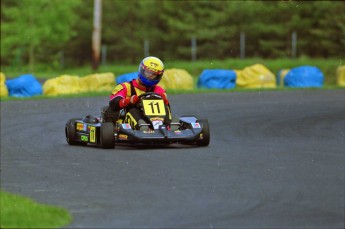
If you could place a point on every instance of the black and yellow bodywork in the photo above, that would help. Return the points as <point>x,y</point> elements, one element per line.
<point>92,130</point>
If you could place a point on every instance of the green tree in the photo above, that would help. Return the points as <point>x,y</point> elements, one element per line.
<point>40,29</point>
<point>328,31</point>
<point>78,50</point>
<point>29,25</point>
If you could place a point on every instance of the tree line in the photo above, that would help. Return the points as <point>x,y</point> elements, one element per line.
<point>49,31</point>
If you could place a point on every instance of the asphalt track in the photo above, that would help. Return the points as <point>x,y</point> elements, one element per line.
<point>276,160</point>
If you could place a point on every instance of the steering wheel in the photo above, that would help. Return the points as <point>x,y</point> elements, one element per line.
<point>149,94</point>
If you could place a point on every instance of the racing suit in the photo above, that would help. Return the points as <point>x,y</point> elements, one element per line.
<point>133,113</point>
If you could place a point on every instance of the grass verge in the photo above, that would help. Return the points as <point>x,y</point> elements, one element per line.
<point>171,92</point>
<point>21,212</point>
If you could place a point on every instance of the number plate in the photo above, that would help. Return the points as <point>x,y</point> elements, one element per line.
<point>154,107</point>
<point>92,134</point>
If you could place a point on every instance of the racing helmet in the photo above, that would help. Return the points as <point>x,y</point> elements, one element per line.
<point>150,71</point>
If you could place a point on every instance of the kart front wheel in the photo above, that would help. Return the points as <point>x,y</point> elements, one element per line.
<point>107,135</point>
<point>204,139</point>
<point>70,133</point>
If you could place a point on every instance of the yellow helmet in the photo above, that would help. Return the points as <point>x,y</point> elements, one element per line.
<point>151,70</point>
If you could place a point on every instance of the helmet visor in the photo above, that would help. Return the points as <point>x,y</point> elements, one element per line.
<point>150,75</point>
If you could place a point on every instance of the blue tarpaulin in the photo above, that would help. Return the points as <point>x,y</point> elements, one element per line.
<point>217,78</point>
<point>126,77</point>
<point>304,76</point>
<point>24,86</point>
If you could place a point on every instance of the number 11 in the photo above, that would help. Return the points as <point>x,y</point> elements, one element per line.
<point>152,107</point>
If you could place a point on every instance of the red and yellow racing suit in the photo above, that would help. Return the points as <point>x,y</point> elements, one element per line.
<point>126,90</point>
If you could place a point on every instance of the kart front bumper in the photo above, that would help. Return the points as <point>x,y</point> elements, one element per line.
<point>161,135</point>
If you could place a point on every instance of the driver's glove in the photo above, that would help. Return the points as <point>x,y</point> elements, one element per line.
<point>134,99</point>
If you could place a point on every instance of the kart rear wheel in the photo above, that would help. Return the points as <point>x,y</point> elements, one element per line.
<point>107,135</point>
<point>205,140</point>
<point>70,133</point>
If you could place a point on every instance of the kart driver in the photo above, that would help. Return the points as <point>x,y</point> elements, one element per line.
<point>125,95</point>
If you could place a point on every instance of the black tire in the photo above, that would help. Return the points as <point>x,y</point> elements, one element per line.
<point>205,141</point>
<point>107,135</point>
<point>70,133</point>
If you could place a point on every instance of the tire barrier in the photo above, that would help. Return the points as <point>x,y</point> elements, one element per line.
<point>280,77</point>
<point>341,76</point>
<point>217,79</point>
<point>24,86</point>
<point>126,77</point>
<point>62,85</point>
<point>255,76</point>
<point>177,79</point>
<point>67,84</point>
<point>304,76</point>
<point>3,87</point>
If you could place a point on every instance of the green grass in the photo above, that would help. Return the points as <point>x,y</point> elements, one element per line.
<point>327,66</point>
<point>170,92</point>
<point>21,212</point>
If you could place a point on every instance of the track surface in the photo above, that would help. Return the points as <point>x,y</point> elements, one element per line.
<point>276,159</point>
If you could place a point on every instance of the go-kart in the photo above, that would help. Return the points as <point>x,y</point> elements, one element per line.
<point>108,133</point>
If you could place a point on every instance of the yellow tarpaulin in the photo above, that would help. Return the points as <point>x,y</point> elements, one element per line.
<point>255,76</point>
<point>177,79</point>
<point>3,87</point>
<point>281,75</point>
<point>341,76</point>
<point>61,85</point>
<point>67,84</point>
<point>98,82</point>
